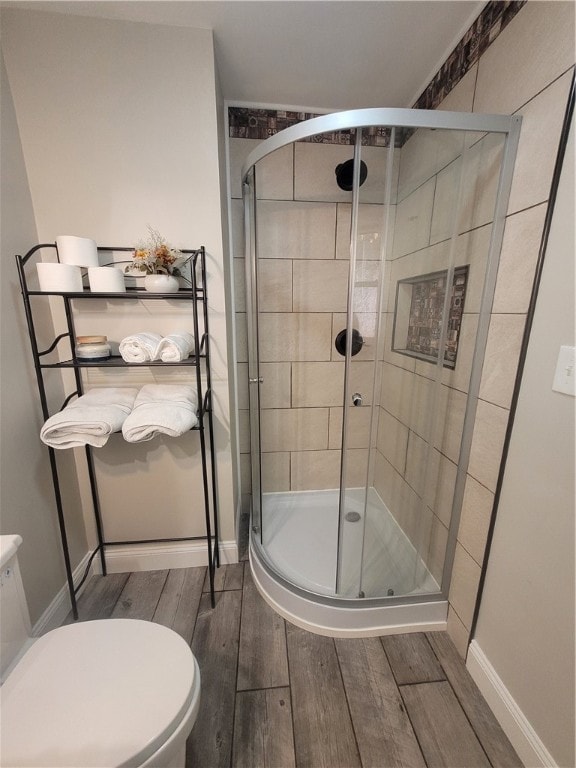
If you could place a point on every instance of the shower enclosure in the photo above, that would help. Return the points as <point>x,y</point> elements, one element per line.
<point>373,239</point>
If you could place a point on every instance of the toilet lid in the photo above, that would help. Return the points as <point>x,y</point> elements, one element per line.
<point>97,693</point>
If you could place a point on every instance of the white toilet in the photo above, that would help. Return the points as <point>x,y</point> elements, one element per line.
<point>108,693</point>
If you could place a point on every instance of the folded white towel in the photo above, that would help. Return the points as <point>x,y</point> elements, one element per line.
<point>161,409</point>
<point>176,347</point>
<point>90,419</point>
<point>140,347</point>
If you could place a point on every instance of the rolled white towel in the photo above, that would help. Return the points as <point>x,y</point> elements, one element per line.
<point>140,347</point>
<point>161,409</point>
<point>90,419</point>
<point>176,347</point>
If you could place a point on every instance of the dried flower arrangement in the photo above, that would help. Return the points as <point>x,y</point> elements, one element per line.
<point>155,256</point>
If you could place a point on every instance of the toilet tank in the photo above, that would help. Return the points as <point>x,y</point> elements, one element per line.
<point>15,628</point>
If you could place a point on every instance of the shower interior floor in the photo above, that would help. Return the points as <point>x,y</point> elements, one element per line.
<point>300,538</point>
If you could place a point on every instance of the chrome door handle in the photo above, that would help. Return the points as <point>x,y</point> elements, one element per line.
<point>257,380</point>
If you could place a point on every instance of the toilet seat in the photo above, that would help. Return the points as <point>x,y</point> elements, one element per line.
<point>98,693</point>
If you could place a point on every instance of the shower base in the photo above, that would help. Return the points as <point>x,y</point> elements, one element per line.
<point>295,569</point>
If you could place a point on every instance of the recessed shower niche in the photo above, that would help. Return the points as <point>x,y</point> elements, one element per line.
<point>359,454</point>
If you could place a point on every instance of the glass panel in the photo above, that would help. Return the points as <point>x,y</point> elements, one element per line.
<point>368,223</point>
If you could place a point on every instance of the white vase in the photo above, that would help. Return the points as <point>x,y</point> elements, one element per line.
<point>161,284</point>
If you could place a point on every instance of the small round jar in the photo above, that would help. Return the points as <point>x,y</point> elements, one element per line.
<point>92,349</point>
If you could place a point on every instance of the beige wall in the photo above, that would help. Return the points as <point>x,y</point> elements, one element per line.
<point>119,129</point>
<point>27,505</point>
<point>526,621</point>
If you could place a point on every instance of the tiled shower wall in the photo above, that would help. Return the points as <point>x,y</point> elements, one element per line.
<point>526,70</point>
<point>303,236</point>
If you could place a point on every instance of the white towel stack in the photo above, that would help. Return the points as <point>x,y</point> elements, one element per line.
<point>140,347</point>
<point>161,409</point>
<point>176,347</point>
<point>90,419</point>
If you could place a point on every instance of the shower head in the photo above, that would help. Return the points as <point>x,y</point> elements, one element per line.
<point>345,174</point>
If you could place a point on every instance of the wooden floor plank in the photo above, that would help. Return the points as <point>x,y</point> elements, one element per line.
<point>99,597</point>
<point>323,733</point>
<point>263,730</point>
<point>179,601</point>
<point>383,730</point>
<point>412,659</point>
<point>493,739</point>
<point>215,645</point>
<point>262,659</point>
<point>226,577</point>
<point>140,596</point>
<point>445,735</point>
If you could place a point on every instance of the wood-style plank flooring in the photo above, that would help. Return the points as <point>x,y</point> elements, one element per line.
<point>276,696</point>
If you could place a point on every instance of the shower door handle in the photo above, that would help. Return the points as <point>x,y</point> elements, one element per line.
<point>257,380</point>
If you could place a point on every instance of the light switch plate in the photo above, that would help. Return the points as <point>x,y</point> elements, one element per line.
<point>565,376</point>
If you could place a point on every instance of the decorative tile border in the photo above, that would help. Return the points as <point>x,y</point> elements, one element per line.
<point>249,123</point>
<point>494,17</point>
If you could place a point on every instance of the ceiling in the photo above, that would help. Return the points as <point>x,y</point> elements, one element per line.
<point>317,54</point>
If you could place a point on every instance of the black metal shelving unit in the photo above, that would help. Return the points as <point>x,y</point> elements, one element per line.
<point>196,295</point>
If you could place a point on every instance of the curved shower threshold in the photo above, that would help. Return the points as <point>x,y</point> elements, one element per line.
<point>352,618</point>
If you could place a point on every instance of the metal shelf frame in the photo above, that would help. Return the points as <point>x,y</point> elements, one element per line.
<point>198,299</point>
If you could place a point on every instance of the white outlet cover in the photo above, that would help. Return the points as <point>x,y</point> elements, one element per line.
<point>565,376</point>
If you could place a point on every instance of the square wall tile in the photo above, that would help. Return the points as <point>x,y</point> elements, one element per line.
<point>464,585</point>
<point>320,286</point>
<point>295,230</point>
<point>242,384</point>
<point>245,473</point>
<point>295,429</point>
<point>437,549</point>
<point>315,470</point>
<point>317,384</point>
<point>459,634</point>
<point>501,358</point>
<point>366,324</point>
<point>475,518</point>
<point>357,429</point>
<point>397,392</point>
<point>237,234</point>
<point>532,51</point>
<point>274,285</point>
<point>239,285</point>
<point>241,337</point>
<point>518,258</point>
<point>275,390</point>
<point>425,154</point>
<point>392,440</point>
<point>238,151</point>
<point>413,220</point>
<point>244,431</point>
<point>275,175</point>
<point>370,229</point>
<point>286,337</point>
<point>539,137</point>
<point>487,443</point>
<point>315,172</point>
<point>275,472</point>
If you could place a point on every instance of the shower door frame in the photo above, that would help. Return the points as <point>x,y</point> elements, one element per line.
<point>509,126</point>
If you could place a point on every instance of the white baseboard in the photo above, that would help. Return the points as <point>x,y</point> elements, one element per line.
<point>157,557</point>
<point>514,723</point>
<point>135,557</point>
<point>60,607</point>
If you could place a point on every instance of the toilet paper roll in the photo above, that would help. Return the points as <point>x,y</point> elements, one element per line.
<point>59,278</point>
<point>80,251</point>
<point>106,280</point>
